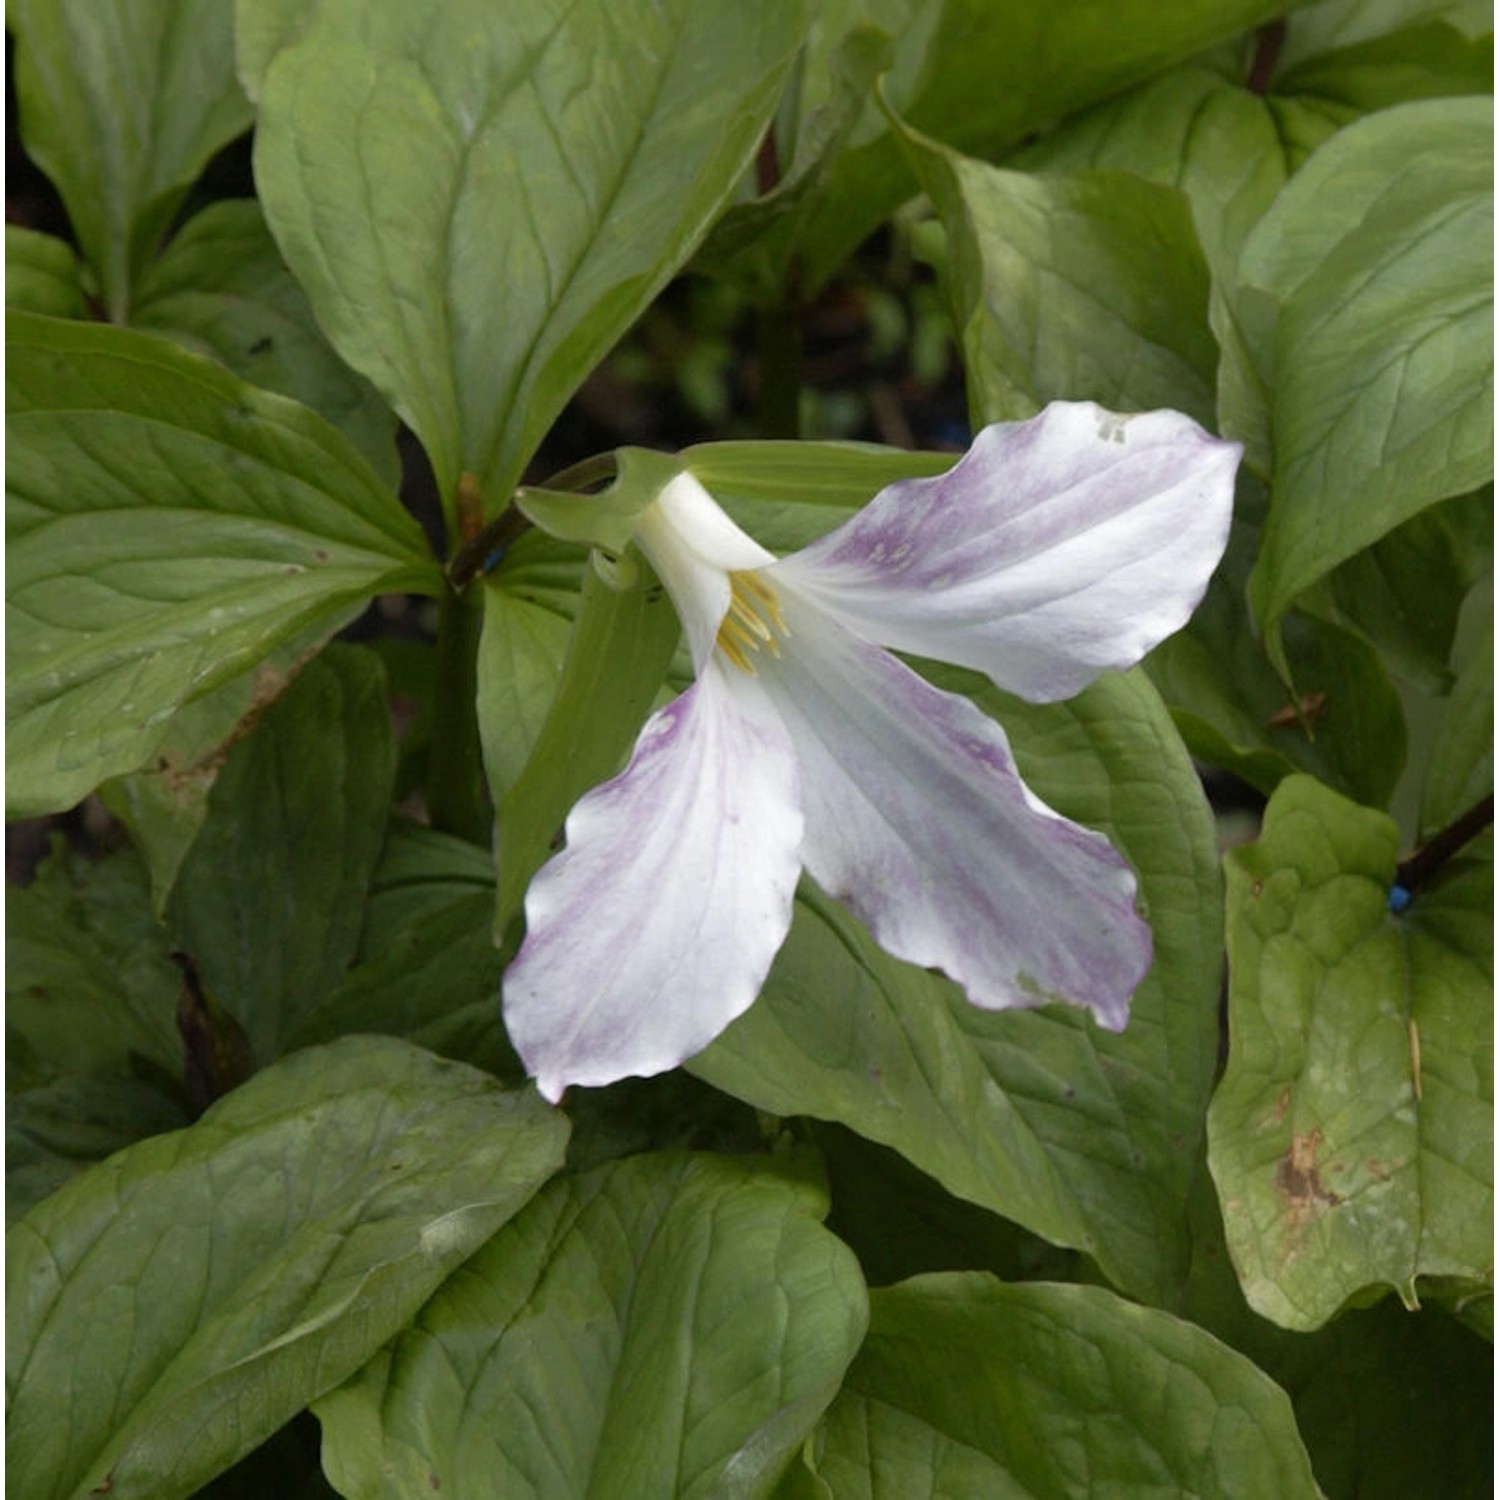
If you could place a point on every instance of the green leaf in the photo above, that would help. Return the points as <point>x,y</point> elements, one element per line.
<point>1462,770</point>
<point>90,990</point>
<point>1230,152</point>
<point>1345,724</point>
<point>436,983</point>
<point>164,805</point>
<point>621,645</point>
<point>420,870</point>
<point>1350,1137</point>
<point>756,244</point>
<point>522,647</point>
<point>1417,61</point>
<point>1376,258</point>
<point>480,200</point>
<point>1404,594</point>
<point>122,109</point>
<point>270,898</point>
<point>171,1308</point>
<point>1233,710</point>
<point>1332,26</point>
<point>221,289</point>
<point>1084,1137</point>
<point>695,1317</point>
<point>980,76</point>
<point>55,1132</point>
<point>1089,286</point>
<point>41,275</point>
<point>168,526</point>
<point>1227,149</point>
<point>966,1386</point>
<point>427,968</point>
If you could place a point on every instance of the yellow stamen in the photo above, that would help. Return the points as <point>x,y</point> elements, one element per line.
<point>753,620</point>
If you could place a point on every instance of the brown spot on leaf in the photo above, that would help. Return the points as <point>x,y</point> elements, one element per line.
<point>1298,1179</point>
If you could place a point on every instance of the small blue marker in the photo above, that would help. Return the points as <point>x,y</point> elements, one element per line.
<point>1399,899</point>
<point>492,561</point>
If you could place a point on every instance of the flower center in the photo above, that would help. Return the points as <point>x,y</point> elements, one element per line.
<point>753,620</point>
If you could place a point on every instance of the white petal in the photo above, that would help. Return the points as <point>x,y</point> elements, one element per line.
<point>1052,550</point>
<point>656,926</point>
<point>694,546</point>
<point>919,822</point>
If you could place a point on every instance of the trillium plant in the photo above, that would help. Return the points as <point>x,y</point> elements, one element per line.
<point>749,749</point>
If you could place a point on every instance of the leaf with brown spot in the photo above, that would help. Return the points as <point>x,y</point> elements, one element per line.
<point>1346,1158</point>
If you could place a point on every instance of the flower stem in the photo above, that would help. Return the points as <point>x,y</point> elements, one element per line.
<point>1269,41</point>
<point>455,774</point>
<point>1412,874</point>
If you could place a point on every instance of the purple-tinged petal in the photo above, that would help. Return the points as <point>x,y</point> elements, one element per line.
<point>656,926</point>
<point>1054,549</point>
<point>918,820</point>
<point>694,546</point>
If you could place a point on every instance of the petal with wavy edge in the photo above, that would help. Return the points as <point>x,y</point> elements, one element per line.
<point>918,820</point>
<point>694,547</point>
<point>655,927</point>
<point>1054,549</point>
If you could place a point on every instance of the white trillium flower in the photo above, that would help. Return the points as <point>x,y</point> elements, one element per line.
<point>1055,549</point>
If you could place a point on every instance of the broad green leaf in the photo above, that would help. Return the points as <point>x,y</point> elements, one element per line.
<point>420,870</point>
<point>1345,724</point>
<point>1404,593</point>
<point>1089,286</point>
<point>41,275</point>
<point>1083,1137</point>
<point>1336,26</point>
<point>1376,257</point>
<point>827,109</point>
<point>55,1132</point>
<point>427,968</point>
<point>1417,62</point>
<point>1233,710</point>
<point>90,990</point>
<point>1350,1137</point>
<point>172,1307</point>
<point>122,106</point>
<point>966,1386</point>
<point>221,289</point>
<point>1462,770</point>
<point>664,1326</point>
<point>168,526</point>
<point>163,806</point>
<point>480,200</point>
<point>521,652</point>
<point>621,645</point>
<point>270,898</point>
<point>756,243</point>
<point>981,76</point>
<point>1229,151</point>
